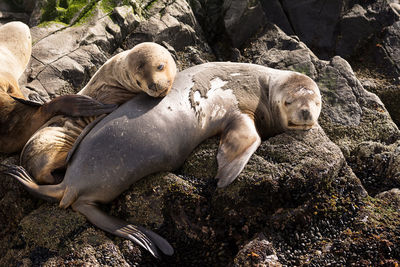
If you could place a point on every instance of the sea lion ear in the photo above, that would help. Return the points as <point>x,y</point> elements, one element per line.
<point>238,142</point>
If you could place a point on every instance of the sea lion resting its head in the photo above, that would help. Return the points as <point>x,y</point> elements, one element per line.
<point>20,118</point>
<point>242,102</point>
<point>147,67</point>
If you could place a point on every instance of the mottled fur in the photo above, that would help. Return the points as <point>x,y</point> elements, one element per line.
<point>118,80</point>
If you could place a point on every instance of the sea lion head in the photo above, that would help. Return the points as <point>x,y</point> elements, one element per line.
<point>152,68</point>
<point>298,102</point>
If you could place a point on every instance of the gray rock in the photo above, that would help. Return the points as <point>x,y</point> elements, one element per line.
<point>258,252</point>
<point>275,14</point>
<point>314,22</point>
<point>392,196</point>
<point>242,19</point>
<point>377,166</point>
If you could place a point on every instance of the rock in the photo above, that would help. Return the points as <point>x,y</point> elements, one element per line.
<point>392,196</point>
<point>242,19</point>
<point>314,22</point>
<point>377,166</point>
<point>321,197</point>
<point>258,252</point>
<point>275,14</point>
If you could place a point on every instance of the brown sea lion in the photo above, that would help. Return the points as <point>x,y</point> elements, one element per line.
<point>242,102</point>
<point>20,118</point>
<point>148,67</point>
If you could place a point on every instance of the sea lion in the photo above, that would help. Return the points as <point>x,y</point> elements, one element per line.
<point>242,102</point>
<point>147,67</point>
<point>20,118</point>
<point>15,52</point>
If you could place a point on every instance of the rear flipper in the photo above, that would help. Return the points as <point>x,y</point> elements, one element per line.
<point>141,236</point>
<point>47,192</point>
<point>238,142</point>
<point>77,106</point>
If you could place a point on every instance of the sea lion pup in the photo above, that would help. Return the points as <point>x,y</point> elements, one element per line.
<point>147,67</point>
<point>242,102</point>
<point>15,52</point>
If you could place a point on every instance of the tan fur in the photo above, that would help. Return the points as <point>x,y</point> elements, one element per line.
<point>299,96</point>
<point>17,121</point>
<point>118,80</point>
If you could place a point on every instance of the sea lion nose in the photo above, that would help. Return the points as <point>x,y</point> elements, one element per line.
<point>306,114</point>
<point>153,87</point>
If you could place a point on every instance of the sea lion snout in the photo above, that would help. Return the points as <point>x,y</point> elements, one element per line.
<point>305,113</point>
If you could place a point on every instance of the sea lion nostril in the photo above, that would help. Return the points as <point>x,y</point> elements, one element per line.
<point>153,87</point>
<point>306,114</point>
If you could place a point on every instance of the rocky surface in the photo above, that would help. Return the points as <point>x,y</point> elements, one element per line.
<point>325,196</point>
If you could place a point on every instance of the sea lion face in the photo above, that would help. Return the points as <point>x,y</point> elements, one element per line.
<point>300,103</point>
<point>153,67</point>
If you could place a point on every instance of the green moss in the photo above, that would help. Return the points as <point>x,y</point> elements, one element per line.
<point>109,5</point>
<point>150,4</point>
<point>382,214</point>
<point>67,11</point>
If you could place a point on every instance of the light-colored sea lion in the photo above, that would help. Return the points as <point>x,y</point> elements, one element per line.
<point>20,118</point>
<point>148,67</point>
<point>242,102</point>
<point>15,52</point>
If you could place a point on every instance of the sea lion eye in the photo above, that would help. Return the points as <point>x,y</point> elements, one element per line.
<point>287,103</point>
<point>160,67</point>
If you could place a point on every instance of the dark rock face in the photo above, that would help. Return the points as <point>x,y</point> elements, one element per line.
<point>324,196</point>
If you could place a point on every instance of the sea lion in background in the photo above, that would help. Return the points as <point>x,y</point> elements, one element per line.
<point>147,67</point>
<point>242,102</point>
<point>20,118</point>
<point>15,52</point>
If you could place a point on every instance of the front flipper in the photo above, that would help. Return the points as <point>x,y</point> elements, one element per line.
<point>141,236</point>
<point>238,142</point>
<point>77,105</point>
<point>27,102</point>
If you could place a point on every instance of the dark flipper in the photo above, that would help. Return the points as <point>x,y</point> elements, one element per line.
<point>47,192</point>
<point>27,102</point>
<point>143,237</point>
<point>85,131</point>
<point>77,106</point>
<point>238,142</point>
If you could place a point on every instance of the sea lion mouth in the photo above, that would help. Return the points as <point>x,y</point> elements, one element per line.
<point>302,126</point>
<point>163,93</point>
